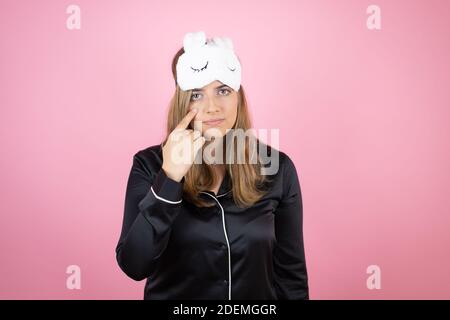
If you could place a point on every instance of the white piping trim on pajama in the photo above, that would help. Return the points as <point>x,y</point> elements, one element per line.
<point>162,199</point>
<point>228,243</point>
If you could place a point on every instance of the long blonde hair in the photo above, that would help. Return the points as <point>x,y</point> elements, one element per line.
<point>247,183</point>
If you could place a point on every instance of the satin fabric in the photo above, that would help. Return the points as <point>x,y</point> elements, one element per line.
<point>222,252</point>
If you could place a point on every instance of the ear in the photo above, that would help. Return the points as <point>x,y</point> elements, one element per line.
<point>223,42</point>
<point>194,40</point>
<point>228,43</point>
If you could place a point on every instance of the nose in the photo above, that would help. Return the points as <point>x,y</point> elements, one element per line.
<point>211,107</point>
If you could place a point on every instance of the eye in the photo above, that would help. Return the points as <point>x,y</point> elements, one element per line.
<point>198,70</point>
<point>193,96</point>
<point>224,90</point>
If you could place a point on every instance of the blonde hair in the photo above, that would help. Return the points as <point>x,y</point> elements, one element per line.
<point>247,183</point>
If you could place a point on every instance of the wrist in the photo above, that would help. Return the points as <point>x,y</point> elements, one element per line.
<point>171,176</point>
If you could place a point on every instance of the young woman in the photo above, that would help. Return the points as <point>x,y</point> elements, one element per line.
<point>216,229</point>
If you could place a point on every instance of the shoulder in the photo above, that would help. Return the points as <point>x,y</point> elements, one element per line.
<point>282,179</point>
<point>289,176</point>
<point>279,161</point>
<point>283,168</point>
<point>287,164</point>
<point>149,158</point>
<point>150,153</point>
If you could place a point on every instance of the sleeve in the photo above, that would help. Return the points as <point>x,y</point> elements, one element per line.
<point>152,202</point>
<point>291,278</point>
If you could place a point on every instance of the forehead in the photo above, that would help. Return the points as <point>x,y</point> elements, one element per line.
<point>211,86</point>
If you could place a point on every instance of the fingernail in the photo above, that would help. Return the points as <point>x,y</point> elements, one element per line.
<point>194,110</point>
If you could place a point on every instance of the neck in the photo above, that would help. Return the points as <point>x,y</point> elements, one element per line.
<point>215,144</point>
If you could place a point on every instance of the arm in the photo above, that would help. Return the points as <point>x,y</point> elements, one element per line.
<point>152,203</point>
<point>291,278</point>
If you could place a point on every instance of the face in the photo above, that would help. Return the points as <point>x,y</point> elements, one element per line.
<point>214,101</point>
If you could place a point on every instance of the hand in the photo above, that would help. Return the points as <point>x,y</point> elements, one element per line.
<point>181,148</point>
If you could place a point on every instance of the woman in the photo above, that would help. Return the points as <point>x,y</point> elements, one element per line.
<point>218,228</point>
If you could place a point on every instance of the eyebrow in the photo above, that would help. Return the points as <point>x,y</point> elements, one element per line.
<point>201,90</point>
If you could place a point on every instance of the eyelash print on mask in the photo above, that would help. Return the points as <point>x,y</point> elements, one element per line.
<point>231,69</point>
<point>198,70</point>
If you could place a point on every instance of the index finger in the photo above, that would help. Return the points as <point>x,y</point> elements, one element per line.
<point>186,120</point>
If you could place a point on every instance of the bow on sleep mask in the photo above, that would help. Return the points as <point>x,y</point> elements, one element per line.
<point>204,62</point>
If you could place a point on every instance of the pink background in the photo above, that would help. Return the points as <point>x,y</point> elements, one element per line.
<point>364,115</point>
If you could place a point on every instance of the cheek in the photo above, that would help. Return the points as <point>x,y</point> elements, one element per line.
<point>232,114</point>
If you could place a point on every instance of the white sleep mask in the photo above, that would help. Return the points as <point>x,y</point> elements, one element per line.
<point>204,62</point>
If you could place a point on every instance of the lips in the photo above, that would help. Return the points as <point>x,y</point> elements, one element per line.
<point>213,122</point>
